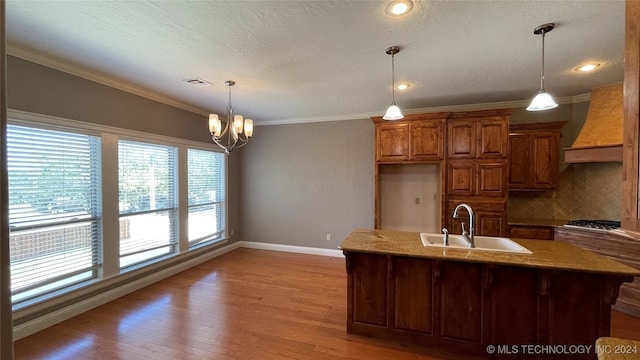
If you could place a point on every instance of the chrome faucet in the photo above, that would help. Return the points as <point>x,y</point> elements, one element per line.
<point>445,236</point>
<point>468,236</point>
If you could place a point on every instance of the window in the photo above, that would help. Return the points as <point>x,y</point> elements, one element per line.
<point>54,209</point>
<point>148,206</point>
<point>206,195</point>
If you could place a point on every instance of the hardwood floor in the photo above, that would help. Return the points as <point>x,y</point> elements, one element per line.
<point>247,304</point>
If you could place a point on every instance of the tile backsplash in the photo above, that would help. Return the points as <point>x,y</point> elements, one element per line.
<point>585,191</point>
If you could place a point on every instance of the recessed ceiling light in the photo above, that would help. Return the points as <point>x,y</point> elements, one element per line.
<point>403,86</point>
<point>587,67</point>
<point>398,7</point>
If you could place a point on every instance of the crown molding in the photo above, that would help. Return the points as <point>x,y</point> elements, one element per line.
<point>452,108</point>
<point>95,76</point>
<point>89,74</point>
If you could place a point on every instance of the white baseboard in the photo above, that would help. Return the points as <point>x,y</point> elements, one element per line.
<point>291,248</point>
<point>65,313</point>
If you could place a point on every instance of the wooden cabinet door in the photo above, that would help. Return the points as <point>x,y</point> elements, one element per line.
<point>413,289</point>
<point>514,306</point>
<point>367,282</point>
<point>461,178</point>
<point>492,178</point>
<point>493,138</point>
<point>534,152</point>
<point>427,140</point>
<point>571,296</point>
<point>544,160</point>
<point>461,139</point>
<point>519,146</point>
<point>461,301</point>
<point>392,142</point>
<point>491,223</point>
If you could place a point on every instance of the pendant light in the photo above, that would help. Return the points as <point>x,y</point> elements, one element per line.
<point>393,112</point>
<point>542,101</point>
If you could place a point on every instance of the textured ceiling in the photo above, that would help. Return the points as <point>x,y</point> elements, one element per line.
<point>297,61</point>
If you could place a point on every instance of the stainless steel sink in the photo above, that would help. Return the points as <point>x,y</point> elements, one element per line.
<point>483,243</point>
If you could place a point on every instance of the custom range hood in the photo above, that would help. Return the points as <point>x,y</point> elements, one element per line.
<point>600,139</point>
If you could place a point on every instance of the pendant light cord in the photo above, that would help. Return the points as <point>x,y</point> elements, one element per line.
<point>393,80</point>
<point>542,70</point>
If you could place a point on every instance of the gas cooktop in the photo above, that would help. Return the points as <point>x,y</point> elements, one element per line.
<point>595,224</point>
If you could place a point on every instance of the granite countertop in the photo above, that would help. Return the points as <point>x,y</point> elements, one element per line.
<point>610,348</point>
<point>546,254</point>
<point>536,222</point>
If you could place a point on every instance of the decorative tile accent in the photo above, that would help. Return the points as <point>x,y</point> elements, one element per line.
<point>585,191</point>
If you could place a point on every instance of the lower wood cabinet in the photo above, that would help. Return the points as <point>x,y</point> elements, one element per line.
<point>531,232</point>
<point>491,217</point>
<point>467,306</point>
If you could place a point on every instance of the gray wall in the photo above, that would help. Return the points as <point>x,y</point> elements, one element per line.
<point>301,182</point>
<point>39,89</point>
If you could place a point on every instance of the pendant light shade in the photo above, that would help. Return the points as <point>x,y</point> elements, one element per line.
<point>542,101</point>
<point>393,112</point>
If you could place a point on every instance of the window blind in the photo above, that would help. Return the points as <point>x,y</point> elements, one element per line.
<point>206,179</point>
<point>54,208</point>
<point>147,175</point>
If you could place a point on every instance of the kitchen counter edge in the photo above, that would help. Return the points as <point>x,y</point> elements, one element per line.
<point>546,254</point>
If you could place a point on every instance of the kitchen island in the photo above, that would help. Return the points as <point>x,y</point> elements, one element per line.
<point>495,304</point>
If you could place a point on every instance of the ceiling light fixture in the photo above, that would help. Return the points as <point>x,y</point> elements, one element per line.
<point>398,7</point>
<point>393,111</point>
<point>587,67</point>
<point>542,101</point>
<point>237,130</point>
<point>403,86</point>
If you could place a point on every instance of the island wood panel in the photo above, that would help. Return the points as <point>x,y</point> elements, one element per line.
<point>368,288</point>
<point>574,316</point>
<point>476,304</point>
<point>413,294</point>
<point>460,287</point>
<point>513,305</point>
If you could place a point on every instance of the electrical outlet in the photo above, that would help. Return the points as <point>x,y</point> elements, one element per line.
<point>417,201</point>
<point>328,237</point>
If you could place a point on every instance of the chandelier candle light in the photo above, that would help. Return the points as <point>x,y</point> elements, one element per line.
<point>237,130</point>
<point>542,101</point>
<point>393,112</point>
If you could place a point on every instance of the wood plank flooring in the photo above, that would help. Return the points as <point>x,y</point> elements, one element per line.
<point>247,304</point>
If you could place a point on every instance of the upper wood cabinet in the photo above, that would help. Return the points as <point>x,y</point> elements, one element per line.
<point>477,137</point>
<point>534,152</point>
<point>415,138</point>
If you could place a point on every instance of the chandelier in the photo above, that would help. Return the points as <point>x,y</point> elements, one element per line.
<point>237,130</point>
